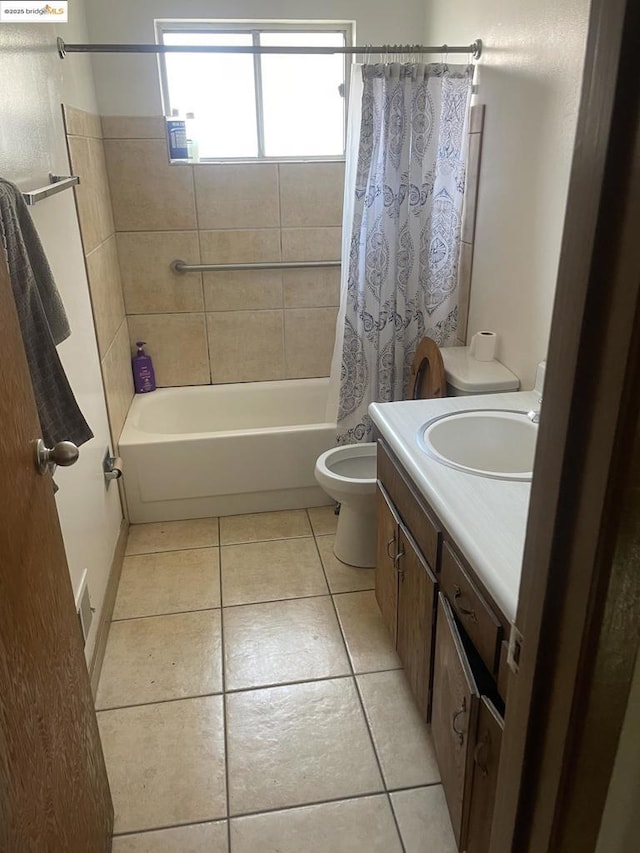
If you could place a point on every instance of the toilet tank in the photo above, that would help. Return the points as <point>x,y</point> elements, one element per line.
<point>467,376</point>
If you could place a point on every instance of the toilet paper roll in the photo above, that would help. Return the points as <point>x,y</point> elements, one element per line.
<point>483,346</point>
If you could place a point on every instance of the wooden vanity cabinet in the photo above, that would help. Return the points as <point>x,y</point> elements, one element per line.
<point>454,715</point>
<point>406,594</point>
<point>451,640</point>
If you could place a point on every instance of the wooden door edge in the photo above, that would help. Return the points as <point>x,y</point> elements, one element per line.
<point>590,407</point>
<point>97,658</point>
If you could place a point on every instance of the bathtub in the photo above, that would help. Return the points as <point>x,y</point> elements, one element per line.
<point>225,449</point>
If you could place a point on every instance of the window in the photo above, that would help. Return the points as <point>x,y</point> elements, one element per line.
<point>262,106</point>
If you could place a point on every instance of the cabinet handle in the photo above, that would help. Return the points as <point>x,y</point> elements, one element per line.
<point>457,594</point>
<point>454,719</point>
<point>483,743</point>
<point>391,542</point>
<point>396,563</point>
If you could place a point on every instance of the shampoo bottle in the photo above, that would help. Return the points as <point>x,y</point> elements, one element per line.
<point>144,378</point>
<point>177,136</point>
<point>193,150</point>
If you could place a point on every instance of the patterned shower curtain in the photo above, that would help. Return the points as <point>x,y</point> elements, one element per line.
<point>402,276</point>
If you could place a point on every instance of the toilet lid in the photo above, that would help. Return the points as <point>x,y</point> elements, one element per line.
<point>427,379</point>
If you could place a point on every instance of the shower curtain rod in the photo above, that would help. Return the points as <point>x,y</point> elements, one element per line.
<point>475,49</point>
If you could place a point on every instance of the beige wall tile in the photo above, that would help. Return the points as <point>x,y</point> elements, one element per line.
<point>92,194</point>
<point>118,380</point>
<point>237,290</point>
<point>237,196</point>
<point>178,345</point>
<point>240,247</point>
<point>311,288</point>
<point>81,123</point>
<point>246,346</point>
<point>107,303</point>
<point>309,336</point>
<point>311,193</point>
<point>311,244</point>
<point>148,193</point>
<point>133,127</point>
<point>150,285</point>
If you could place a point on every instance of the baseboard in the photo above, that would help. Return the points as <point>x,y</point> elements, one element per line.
<point>107,608</point>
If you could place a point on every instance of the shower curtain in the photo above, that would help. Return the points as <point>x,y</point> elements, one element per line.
<point>404,190</point>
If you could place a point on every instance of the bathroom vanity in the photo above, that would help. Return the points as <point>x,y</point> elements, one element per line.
<point>449,553</point>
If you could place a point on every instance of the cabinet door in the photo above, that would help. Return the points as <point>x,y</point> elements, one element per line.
<point>386,570</point>
<point>486,757</point>
<point>453,716</point>
<point>416,618</point>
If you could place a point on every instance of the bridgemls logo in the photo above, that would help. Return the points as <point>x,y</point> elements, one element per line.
<point>56,12</point>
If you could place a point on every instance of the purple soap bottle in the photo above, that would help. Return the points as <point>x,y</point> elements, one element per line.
<point>144,378</point>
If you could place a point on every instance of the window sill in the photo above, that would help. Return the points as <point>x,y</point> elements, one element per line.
<point>253,160</point>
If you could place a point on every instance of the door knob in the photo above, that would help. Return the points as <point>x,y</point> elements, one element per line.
<point>64,453</point>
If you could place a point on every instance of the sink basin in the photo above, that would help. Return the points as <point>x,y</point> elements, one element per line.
<point>487,442</point>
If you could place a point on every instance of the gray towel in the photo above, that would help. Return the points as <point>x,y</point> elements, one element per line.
<point>43,321</point>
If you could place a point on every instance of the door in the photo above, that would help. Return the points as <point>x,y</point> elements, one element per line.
<point>486,758</point>
<point>453,716</point>
<point>386,560</point>
<point>416,618</point>
<point>54,794</point>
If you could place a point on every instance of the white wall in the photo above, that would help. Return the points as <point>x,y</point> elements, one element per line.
<point>529,77</point>
<point>34,84</point>
<point>129,85</point>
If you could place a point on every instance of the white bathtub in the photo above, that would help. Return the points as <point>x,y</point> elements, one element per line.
<point>225,449</point>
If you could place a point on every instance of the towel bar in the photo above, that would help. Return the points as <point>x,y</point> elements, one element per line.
<point>57,183</point>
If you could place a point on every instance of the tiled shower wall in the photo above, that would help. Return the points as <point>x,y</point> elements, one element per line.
<point>235,326</point>
<point>93,200</point>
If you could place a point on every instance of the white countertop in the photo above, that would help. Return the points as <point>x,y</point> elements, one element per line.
<point>487,518</point>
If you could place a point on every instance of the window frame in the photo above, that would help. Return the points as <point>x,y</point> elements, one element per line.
<point>254,28</point>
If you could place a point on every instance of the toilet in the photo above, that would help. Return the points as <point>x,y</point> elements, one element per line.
<point>348,473</point>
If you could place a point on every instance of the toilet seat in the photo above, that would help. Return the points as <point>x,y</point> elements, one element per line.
<point>427,380</point>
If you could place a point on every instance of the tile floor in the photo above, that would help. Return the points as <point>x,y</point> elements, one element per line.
<point>251,701</point>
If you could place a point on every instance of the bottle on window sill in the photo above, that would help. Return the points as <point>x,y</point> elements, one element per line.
<point>193,152</point>
<point>177,136</point>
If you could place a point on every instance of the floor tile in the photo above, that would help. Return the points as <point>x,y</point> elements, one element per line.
<point>161,657</point>
<point>402,740</point>
<point>154,584</point>
<point>165,763</point>
<point>364,825</point>
<point>340,576</point>
<point>282,642</point>
<point>297,745</point>
<point>368,641</point>
<point>267,571</point>
<point>259,526</point>
<point>172,536</point>
<point>198,838</point>
<point>323,519</point>
<point>423,817</point>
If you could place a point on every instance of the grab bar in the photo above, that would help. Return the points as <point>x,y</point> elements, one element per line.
<point>57,183</point>
<point>181,266</point>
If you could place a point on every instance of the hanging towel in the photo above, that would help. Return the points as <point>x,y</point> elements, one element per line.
<point>43,321</point>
